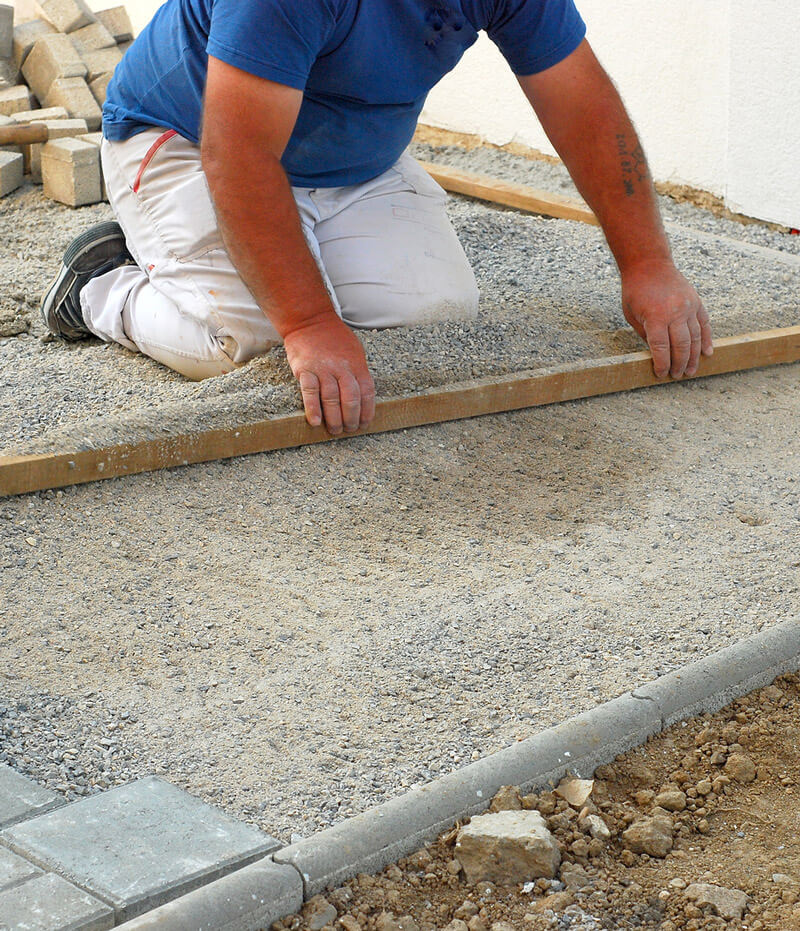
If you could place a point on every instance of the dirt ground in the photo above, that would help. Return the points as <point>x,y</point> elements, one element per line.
<point>736,772</point>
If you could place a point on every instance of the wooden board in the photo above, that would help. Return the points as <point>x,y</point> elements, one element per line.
<point>22,474</point>
<point>519,196</point>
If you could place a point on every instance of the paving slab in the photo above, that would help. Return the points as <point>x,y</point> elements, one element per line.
<point>140,845</point>
<point>50,903</point>
<point>22,798</point>
<point>15,870</point>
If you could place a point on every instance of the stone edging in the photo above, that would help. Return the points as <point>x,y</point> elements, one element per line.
<point>252,898</point>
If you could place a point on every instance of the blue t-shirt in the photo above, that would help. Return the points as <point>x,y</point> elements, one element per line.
<point>365,67</point>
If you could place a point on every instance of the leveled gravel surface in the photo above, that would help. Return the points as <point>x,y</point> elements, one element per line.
<point>550,294</point>
<point>297,636</point>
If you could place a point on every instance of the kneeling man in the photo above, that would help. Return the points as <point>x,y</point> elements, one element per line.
<point>254,156</point>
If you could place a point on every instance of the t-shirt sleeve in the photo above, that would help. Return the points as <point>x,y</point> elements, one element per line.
<point>274,39</point>
<point>535,34</point>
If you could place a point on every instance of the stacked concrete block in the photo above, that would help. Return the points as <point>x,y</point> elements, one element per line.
<point>74,95</point>
<point>14,99</point>
<point>40,115</point>
<point>97,139</point>
<point>57,129</point>
<point>6,30</point>
<point>11,172</point>
<point>118,23</point>
<point>9,72</point>
<point>71,172</point>
<point>101,61</point>
<point>9,121</point>
<point>66,57</point>
<point>51,58</point>
<point>92,37</point>
<point>26,34</point>
<point>67,15</point>
<point>101,65</point>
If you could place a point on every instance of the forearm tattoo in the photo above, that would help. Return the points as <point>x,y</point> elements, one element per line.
<point>633,163</point>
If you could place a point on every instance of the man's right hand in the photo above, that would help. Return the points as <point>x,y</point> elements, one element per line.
<point>328,360</point>
<point>261,228</point>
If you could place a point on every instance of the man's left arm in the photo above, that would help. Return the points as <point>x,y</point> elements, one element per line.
<point>585,119</point>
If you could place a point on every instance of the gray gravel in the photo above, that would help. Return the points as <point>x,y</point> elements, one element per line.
<point>550,294</point>
<point>299,635</point>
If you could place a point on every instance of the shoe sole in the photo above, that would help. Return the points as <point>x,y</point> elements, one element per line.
<point>65,277</point>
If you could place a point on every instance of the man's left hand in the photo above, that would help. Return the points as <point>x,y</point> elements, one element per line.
<point>666,311</point>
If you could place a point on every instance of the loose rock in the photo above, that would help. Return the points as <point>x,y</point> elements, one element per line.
<point>727,903</point>
<point>387,922</point>
<point>740,767</point>
<point>507,847</point>
<point>652,836</point>
<point>318,912</point>
<point>575,791</point>
<point>671,800</point>
<point>506,799</point>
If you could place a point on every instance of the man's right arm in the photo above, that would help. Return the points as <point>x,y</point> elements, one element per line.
<point>247,123</point>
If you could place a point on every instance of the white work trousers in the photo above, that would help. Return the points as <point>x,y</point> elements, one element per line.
<point>387,251</point>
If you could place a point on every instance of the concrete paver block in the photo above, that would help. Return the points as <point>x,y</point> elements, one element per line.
<point>140,845</point>
<point>91,38</point>
<point>6,30</point>
<point>52,57</point>
<point>99,88</point>
<point>14,99</point>
<point>14,870</point>
<point>97,139</point>
<point>40,116</point>
<point>248,900</point>
<point>58,129</point>
<point>71,172</point>
<point>49,903</point>
<point>118,23</point>
<point>9,73</point>
<point>22,798</point>
<point>101,61</point>
<point>25,36</point>
<point>66,15</point>
<point>74,95</point>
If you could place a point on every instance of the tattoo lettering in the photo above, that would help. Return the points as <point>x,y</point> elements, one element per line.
<point>633,163</point>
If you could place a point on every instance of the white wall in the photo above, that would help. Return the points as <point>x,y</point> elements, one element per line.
<point>713,86</point>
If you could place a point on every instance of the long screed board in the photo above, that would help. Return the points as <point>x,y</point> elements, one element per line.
<point>22,474</point>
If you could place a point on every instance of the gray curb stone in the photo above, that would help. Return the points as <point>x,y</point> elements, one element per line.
<point>713,682</point>
<point>256,895</point>
<point>370,841</point>
<point>251,898</point>
<point>374,839</point>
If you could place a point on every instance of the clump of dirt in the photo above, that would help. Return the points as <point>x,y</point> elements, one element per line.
<point>714,800</point>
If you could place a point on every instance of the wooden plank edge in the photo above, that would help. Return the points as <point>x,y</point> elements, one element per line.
<point>508,194</point>
<point>25,474</point>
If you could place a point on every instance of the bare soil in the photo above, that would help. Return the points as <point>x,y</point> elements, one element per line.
<point>736,834</point>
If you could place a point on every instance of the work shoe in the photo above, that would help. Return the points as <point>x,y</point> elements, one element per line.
<point>95,252</point>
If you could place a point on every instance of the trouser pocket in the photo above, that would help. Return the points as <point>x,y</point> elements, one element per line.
<point>170,187</point>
